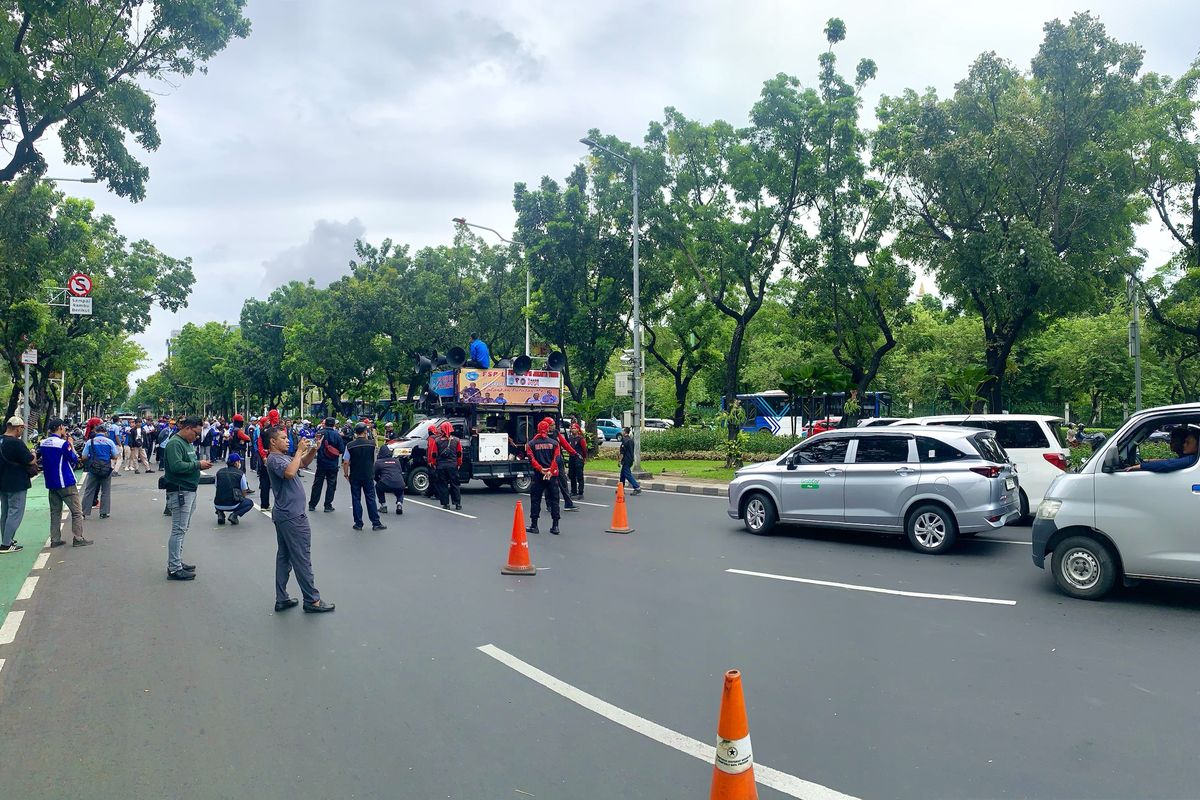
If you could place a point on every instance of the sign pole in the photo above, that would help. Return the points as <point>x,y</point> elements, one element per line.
<point>25,406</point>
<point>62,394</point>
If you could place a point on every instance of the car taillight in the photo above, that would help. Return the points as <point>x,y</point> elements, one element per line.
<point>987,472</point>
<point>1057,459</point>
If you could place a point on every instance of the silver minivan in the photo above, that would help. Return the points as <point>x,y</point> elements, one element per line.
<point>1107,522</point>
<point>931,484</point>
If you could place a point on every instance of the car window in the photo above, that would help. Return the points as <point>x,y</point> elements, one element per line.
<point>824,451</point>
<point>935,451</point>
<point>882,450</point>
<point>989,447</point>
<point>1020,434</point>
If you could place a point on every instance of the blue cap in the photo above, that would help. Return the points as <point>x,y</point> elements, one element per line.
<point>233,458</point>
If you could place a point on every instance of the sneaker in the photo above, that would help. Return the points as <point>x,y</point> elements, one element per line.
<point>188,567</point>
<point>266,507</point>
<point>400,510</point>
<point>312,508</point>
<point>59,543</point>
<point>104,516</point>
<point>532,529</point>
<point>637,491</point>
<point>458,506</point>
<point>446,506</point>
<point>572,508</point>
<point>319,607</point>
<point>12,548</point>
<point>379,527</point>
<point>284,605</point>
<point>220,517</point>
<point>181,575</point>
<point>358,527</point>
<point>383,509</point>
<point>82,542</point>
<point>234,521</point>
<point>166,512</point>
<point>327,509</point>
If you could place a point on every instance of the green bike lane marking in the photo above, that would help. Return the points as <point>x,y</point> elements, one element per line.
<point>15,567</point>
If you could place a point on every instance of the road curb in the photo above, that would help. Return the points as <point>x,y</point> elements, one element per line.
<point>664,486</point>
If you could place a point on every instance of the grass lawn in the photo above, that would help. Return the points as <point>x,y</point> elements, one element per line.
<point>672,468</point>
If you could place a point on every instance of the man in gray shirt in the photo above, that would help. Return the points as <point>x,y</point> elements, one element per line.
<point>293,535</point>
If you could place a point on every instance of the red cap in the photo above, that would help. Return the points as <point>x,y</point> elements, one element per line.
<point>238,418</point>
<point>544,426</point>
<point>447,428</point>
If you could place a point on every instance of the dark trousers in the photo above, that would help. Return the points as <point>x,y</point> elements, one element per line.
<point>244,507</point>
<point>382,493</point>
<point>576,474</point>
<point>326,476</point>
<point>357,489</point>
<point>264,485</point>
<point>549,488</point>
<point>294,538</point>
<point>447,485</point>
<point>564,491</point>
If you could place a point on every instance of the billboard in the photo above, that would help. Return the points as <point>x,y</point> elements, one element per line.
<point>492,387</point>
<point>442,383</point>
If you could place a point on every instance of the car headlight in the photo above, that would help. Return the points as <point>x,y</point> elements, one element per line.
<point>1048,509</point>
<point>404,451</point>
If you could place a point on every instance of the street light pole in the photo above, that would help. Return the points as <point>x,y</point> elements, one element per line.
<point>1135,342</point>
<point>501,237</point>
<point>639,392</point>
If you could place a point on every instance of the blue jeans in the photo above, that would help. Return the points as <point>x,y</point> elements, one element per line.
<point>181,505</point>
<point>12,511</point>
<point>242,509</point>
<point>627,475</point>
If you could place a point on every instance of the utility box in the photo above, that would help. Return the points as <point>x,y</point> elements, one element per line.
<point>493,447</point>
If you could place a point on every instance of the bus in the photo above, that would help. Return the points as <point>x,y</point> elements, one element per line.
<point>771,410</point>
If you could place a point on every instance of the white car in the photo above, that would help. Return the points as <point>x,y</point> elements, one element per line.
<point>653,424</point>
<point>1032,441</point>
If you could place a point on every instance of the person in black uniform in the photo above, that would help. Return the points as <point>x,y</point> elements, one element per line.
<point>389,477</point>
<point>446,459</point>
<point>543,455</point>
<point>578,442</point>
<point>564,450</point>
<point>358,465</point>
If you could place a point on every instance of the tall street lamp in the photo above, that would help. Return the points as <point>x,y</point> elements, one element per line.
<point>639,393</point>
<point>71,180</point>
<point>501,237</point>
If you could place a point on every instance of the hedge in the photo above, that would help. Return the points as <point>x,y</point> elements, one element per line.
<point>676,441</point>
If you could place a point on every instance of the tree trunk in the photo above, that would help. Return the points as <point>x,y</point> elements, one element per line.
<point>731,372</point>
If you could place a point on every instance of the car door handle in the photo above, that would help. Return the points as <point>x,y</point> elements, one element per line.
<point>833,472</point>
<point>905,471</point>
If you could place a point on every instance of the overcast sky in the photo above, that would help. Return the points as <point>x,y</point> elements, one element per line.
<point>385,118</point>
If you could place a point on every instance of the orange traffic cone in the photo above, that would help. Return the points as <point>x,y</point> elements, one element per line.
<point>518,551</point>
<point>733,769</point>
<point>620,519</point>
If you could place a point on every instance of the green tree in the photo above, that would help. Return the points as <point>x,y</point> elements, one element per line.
<point>1088,358</point>
<point>82,65</point>
<point>1018,188</point>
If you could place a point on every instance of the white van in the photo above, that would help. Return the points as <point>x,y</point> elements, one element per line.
<point>1108,522</point>
<point>1033,441</point>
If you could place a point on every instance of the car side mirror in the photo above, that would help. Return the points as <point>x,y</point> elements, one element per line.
<point>791,462</point>
<point>1112,460</point>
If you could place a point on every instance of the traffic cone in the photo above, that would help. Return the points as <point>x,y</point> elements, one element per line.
<point>620,519</point>
<point>518,551</point>
<point>733,768</point>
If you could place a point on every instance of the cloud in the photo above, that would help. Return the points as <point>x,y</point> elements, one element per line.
<point>324,257</point>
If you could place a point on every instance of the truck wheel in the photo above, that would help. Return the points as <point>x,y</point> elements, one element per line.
<point>1084,567</point>
<point>419,480</point>
<point>493,483</point>
<point>522,485</point>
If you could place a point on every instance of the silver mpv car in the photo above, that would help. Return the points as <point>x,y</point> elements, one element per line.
<point>931,484</point>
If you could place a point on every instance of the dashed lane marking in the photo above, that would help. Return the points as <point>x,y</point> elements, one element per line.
<point>875,589</point>
<point>8,631</point>
<point>594,505</point>
<point>995,541</point>
<point>27,588</point>
<point>780,781</point>
<point>41,561</point>
<point>408,500</point>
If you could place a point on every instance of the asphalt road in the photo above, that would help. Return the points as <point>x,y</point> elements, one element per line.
<point>120,684</point>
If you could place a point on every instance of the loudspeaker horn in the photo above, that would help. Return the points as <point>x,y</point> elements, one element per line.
<point>522,364</point>
<point>557,361</point>
<point>504,363</point>
<point>456,357</point>
<point>423,365</point>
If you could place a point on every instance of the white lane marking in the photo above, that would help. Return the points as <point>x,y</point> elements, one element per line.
<point>875,589</point>
<point>41,560</point>
<point>408,500</point>
<point>595,505</point>
<point>8,631</point>
<point>679,494</point>
<point>27,588</point>
<point>705,751</point>
<point>1,664</point>
<point>264,511</point>
<point>997,541</point>
<point>47,544</point>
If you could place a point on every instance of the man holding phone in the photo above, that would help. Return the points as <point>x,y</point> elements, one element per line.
<point>293,536</point>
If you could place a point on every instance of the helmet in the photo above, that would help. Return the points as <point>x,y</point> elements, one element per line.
<point>238,418</point>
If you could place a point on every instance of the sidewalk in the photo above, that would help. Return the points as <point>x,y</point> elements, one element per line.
<point>15,567</point>
<point>669,484</point>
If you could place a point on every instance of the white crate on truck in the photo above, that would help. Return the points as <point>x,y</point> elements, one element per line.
<point>493,447</point>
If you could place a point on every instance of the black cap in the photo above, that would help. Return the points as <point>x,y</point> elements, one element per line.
<point>330,421</point>
<point>360,427</point>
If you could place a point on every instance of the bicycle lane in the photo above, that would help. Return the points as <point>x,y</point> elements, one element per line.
<point>15,568</point>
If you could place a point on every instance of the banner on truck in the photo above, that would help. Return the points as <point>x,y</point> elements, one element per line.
<point>442,383</point>
<point>490,387</point>
<point>535,379</point>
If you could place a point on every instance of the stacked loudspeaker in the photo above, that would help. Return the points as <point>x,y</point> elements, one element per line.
<point>457,357</point>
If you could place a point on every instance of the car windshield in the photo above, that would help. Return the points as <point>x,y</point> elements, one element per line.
<point>418,430</point>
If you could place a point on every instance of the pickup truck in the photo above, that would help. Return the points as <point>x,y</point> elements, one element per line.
<point>500,467</point>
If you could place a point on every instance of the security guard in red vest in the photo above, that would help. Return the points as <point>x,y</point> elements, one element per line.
<point>543,454</point>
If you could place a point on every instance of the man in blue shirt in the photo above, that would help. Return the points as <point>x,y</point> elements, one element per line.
<point>58,462</point>
<point>100,453</point>
<point>478,352</point>
<point>1187,437</point>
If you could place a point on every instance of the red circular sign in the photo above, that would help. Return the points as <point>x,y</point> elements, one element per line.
<point>79,285</point>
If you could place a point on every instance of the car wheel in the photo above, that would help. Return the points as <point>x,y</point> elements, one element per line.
<point>759,514</point>
<point>1025,518</point>
<point>1084,568</point>
<point>418,480</point>
<point>522,485</point>
<point>931,529</point>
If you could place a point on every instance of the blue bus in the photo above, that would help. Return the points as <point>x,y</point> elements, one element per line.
<point>771,411</point>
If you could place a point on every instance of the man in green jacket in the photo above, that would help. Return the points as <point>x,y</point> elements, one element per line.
<point>181,477</point>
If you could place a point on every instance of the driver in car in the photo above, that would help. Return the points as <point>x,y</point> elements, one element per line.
<point>1184,441</point>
